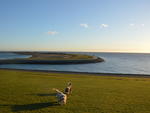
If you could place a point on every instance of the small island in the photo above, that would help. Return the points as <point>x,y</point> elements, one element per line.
<point>52,58</point>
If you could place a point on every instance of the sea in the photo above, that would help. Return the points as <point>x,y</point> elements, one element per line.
<point>124,63</point>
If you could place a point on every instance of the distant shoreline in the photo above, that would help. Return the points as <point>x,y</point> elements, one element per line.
<point>82,73</point>
<point>52,58</point>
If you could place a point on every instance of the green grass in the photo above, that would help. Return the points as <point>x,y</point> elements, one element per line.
<point>30,92</point>
<point>60,57</point>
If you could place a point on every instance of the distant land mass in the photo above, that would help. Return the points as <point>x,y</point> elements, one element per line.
<point>52,58</point>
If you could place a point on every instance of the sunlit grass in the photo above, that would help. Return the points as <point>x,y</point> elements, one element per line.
<point>30,92</point>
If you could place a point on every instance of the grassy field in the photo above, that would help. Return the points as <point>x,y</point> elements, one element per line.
<point>30,92</point>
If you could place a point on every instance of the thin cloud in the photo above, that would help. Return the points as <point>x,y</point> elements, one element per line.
<point>84,25</point>
<point>132,25</point>
<point>104,25</point>
<point>52,32</point>
<point>142,25</point>
<point>137,26</point>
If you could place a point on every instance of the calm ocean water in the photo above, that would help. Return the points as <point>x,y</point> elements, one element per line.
<point>128,63</point>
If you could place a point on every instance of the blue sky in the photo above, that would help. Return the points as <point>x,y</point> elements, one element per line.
<point>75,25</point>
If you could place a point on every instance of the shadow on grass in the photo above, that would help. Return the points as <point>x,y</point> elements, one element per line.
<point>29,107</point>
<point>35,106</point>
<point>44,94</point>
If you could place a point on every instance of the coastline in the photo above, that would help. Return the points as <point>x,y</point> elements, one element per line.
<point>53,62</point>
<point>83,73</point>
<point>52,58</point>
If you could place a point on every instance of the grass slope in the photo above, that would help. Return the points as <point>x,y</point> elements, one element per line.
<point>30,92</point>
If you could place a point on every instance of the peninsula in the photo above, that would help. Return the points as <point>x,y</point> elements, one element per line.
<point>52,58</point>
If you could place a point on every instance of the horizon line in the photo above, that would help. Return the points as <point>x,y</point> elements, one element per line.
<point>72,51</point>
